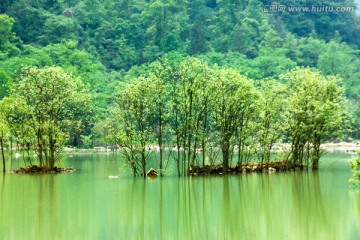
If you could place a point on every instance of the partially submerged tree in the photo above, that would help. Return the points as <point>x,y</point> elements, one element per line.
<point>197,109</point>
<point>134,116</point>
<point>234,109</point>
<point>3,130</point>
<point>159,77</point>
<point>317,111</point>
<point>45,103</point>
<point>270,123</point>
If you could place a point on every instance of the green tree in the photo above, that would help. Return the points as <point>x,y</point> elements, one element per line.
<point>192,105</point>
<point>134,116</point>
<point>15,114</point>
<point>246,37</point>
<point>197,36</point>
<point>4,5</point>
<point>159,77</point>
<point>48,101</point>
<point>310,49</point>
<point>3,131</point>
<point>6,33</point>
<point>5,82</point>
<point>232,113</point>
<point>58,27</point>
<point>317,111</point>
<point>355,168</point>
<point>7,37</point>
<point>270,123</point>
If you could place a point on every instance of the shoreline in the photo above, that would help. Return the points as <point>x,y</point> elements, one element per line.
<point>251,167</point>
<point>349,147</point>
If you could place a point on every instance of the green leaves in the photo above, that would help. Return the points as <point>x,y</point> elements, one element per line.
<point>317,111</point>
<point>43,106</point>
<point>355,168</point>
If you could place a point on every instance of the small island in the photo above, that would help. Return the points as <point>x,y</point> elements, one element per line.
<point>33,169</point>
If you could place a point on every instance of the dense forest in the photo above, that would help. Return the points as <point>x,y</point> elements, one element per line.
<point>110,44</point>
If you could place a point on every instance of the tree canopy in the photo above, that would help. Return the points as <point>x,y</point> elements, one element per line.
<point>176,59</point>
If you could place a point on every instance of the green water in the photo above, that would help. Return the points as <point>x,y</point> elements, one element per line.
<point>87,204</point>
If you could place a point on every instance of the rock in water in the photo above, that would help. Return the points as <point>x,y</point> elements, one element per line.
<point>271,170</point>
<point>151,173</point>
<point>113,177</point>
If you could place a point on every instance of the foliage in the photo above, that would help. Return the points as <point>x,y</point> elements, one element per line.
<point>3,133</point>
<point>317,111</point>
<point>270,125</point>
<point>133,113</point>
<point>7,37</point>
<point>5,84</point>
<point>193,107</point>
<point>355,168</point>
<point>173,46</point>
<point>45,104</point>
<point>234,110</point>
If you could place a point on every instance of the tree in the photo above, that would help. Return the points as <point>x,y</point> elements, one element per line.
<point>355,168</point>
<point>159,78</point>
<point>317,111</point>
<point>58,27</point>
<point>5,82</point>
<point>15,115</point>
<point>192,99</point>
<point>48,103</point>
<point>7,37</point>
<point>4,5</point>
<point>246,37</point>
<point>233,110</point>
<point>133,129</point>
<point>198,43</point>
<point>270,125</point>
<point>6,34</point>
<point>3,130</point>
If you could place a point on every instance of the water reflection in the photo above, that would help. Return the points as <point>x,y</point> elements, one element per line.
<point>88,205</point>
<point>355,207</point>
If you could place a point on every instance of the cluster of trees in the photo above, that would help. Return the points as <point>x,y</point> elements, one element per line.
<point>109,43</point>
<point>44,107</point>
<point>355,168</point>
<point>200,113</point>
<point>100,41</point>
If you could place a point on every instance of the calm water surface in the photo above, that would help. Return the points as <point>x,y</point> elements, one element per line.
<point>87,204</point>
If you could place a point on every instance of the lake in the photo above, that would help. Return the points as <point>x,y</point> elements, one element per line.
<point>87,204</point>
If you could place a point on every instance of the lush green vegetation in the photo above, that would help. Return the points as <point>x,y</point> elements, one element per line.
<point>44,107</point>
<point>355,167</point>
<point>133,57</point>
<point>199,113</point>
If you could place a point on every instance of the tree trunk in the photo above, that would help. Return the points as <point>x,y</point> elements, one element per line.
<point>226,153</point>
<point>160,142</point>
<point>143,161</point>
<point>52,154</point>
<point>2,151</point>
<point>316,157</point>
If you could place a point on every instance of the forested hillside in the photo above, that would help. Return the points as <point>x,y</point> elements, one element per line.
<point>106,42</point>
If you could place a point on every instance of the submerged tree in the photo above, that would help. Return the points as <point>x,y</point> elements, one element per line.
<point>134,115</point>
<point>45,104</point>
<point>193,103</point>
<point>233,112</point>
<point>317,111</point>
<point>3,130</point>
<point>355,168</point>
<point>270,123</point>
<point>197,109</point>
<point>159,78</point>
<point>15,115</point>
